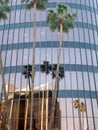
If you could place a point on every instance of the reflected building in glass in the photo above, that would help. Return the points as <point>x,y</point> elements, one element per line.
<point>79,58</point>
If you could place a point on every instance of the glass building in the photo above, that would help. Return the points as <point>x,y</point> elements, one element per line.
<point>79,58</point>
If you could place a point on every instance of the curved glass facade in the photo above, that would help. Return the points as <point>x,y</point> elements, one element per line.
<point>79,57</point>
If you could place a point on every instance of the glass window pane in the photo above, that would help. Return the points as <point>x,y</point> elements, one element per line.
<point>72,56</point>
<point>78,59</point>
<point>83,57</point>
<point>16,36</point>
<point>69,107</point>
<point>74,81</point>
<point>10,36</point>
<point>17,17</point>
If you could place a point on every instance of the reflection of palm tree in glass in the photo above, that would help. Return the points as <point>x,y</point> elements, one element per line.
<point>28,74</point>
<point>63,21</point>
<point>46,68</point>
<point>82,108</point>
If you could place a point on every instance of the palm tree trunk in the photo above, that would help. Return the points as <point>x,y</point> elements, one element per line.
<point>3,79</point>
<point>4,88</point>
<point>54,94</point>
<point>26,113</point>
<point>79,113</point>
<point>29,84</point>
<point>33,63</point>
<point>56,112</point>
<point>10,115</point>
<point>82,120</point>
<point>26,106</point>
<point>47,102</point>
<point>42,110</point>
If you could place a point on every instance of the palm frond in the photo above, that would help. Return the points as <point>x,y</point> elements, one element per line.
<point>61,71</point>
<point>60,5</point>
<point>4,2</point>
<point>45,0</point>
<point>65,28</point>
<point>25,1</point>
<point>30,5</point>
<point>62,13</point>
<point>70,17</point>
<point>74,15</point>
<point>40,5</point>
<point>53,74</point>
<point>65,7</point>
<point>53,27</point>
<point>4,9</point>
<point>50,16</point>
<point>45,67</point>
<point>28,67</point>
<point>50,11</point>
<point>62,9</point>
<point>70,25</point>
<point>76,104</point>
<point>3,16</point>
<point>52,19</point>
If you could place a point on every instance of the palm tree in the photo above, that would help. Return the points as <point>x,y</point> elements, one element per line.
<point>46,68</point>
<point>81,107</point>
<point>28,74</point>
<point>4,9</point>
<point>76,104</point>
<point>3,78</point>
<point>61,76</point>
<point>63,21</point>
<point>40,5</point>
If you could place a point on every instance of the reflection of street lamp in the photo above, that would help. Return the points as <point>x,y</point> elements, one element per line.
<point>82,108</point>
